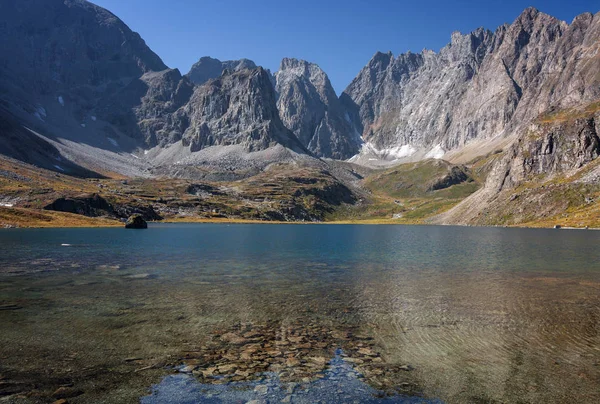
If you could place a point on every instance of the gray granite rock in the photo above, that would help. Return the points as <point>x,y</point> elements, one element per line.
<point>481,85</point>
<point>309,107</point>
<point>208,68</point>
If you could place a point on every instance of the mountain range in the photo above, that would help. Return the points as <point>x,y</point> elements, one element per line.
<point>83,95</point>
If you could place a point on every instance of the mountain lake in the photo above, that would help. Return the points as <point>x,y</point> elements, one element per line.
<point>263,313</point>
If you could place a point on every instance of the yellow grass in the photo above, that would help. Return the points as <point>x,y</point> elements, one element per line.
<point>23,217</point>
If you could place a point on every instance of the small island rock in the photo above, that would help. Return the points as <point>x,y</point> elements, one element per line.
<point>136,221</point>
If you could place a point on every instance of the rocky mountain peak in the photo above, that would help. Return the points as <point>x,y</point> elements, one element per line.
<point>209,68</point>
<point>292,69</point>
<point>309,107</point>
<point>380,61</point>
<point>75,42</point>
<point>532,20</point>
<point>471,47</point>
<point>293,63</point>
<point>79,70</point>
<point>529,14</point>
<point>238,108</point>
<point>419,106</point>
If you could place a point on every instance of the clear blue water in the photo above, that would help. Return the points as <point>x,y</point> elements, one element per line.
<point>480,314</point>
<point>414,247</point>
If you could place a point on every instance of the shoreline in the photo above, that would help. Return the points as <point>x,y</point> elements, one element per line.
<point>39,219</point>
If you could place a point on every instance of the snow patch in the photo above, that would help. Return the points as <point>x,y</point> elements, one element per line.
<point>353,158</point>
<point>146,152</point>
<point>83,125</point>
<point>395,153</point>
<point>436,153</point>
<point>94,118</point>
<point>113,141</point>
<point>61,100</point>
<point>59,167</point>
<point>6,205</point>
<point>134,155</point>
<point>401,151</point>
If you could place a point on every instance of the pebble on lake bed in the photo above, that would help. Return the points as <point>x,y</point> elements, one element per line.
<point>296,353</point>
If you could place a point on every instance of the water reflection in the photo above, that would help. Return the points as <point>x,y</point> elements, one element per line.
<point>478,314</point>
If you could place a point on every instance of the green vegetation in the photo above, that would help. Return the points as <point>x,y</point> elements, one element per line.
<point>569,114</point>
<point>404,194</point>
<point>282,193</point>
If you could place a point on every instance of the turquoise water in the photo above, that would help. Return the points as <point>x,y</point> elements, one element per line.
<point>474,314</point>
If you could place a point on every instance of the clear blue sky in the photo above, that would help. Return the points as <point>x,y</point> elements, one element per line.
<point>338,35</point>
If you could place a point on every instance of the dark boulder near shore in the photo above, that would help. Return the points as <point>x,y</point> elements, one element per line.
<point>136,221</point>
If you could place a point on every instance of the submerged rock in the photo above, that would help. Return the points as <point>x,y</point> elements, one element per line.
<point>136,221</point>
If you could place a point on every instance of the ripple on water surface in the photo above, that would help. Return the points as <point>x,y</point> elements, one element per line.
<point>479,315</point>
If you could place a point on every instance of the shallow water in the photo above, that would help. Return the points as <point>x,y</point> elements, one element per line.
<point>444,313</point>
<point>340,383</point>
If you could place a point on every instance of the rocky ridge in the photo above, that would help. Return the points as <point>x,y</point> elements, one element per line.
<point>79,73</point>
<point>480,86</point>
<point>83,95</point>
<point>208,68</point>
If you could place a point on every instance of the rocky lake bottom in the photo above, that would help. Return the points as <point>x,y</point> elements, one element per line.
<point>300,314</point>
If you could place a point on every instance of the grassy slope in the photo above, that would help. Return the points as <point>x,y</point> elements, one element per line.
<point>29,188</point>
<point>402,192</point>
<point>278,194</point>
<point>22,217</point>
<point>543,202</point>
<point>547,201</point>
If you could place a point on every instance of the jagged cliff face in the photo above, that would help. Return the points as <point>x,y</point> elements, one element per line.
<point>480,86</point>
<point>547,150</point>
<point>67,53</point>
<point>309,107</point>
<point>78,72</point>
<point>69,45</point>
<point>208,68</point>
<point>238,108</point>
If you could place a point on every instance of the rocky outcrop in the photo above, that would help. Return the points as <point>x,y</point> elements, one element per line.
<point>208,68</point>
<point>309,107</point>
<point>236,109</point>
<point>551,156</point>
<point>547,150</point>
<point>88,205</point>
<point>136,222</point>
<point>480,86</point>
<point>94,205</point>
<point>457,175</point>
